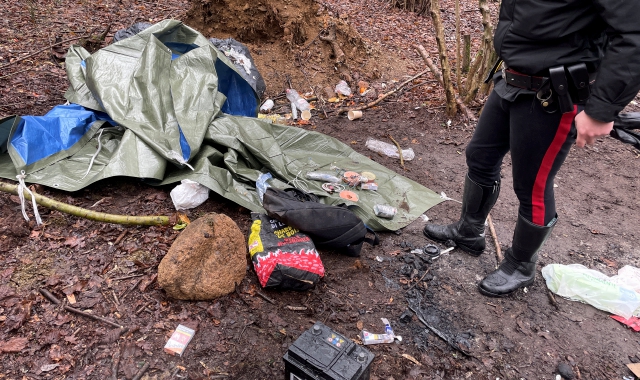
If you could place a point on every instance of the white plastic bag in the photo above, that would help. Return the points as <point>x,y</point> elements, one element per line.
<point>189,194</point>
<point>580,283</point>
<point>343,88</point>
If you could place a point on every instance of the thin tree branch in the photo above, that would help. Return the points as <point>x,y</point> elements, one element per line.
<point>156,220</point>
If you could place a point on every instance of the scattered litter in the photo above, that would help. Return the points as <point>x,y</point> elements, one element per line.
<point>331,187</point>
<point>369,186</point>
<point>369,176</point>
<point>324,177</point>
<point>379,259</point>
<point>387,337</point>
<point>417,251</point>
<point>262,183</point>
<point>633,322</point>
<point>384,211</point>
<point>635,368</point>
<point>354,115</point>
<point>266,106</point>
<point>411,358</point>
<point>445,251</point>
<point>444,196</point>
<point>580,283</point>
<point>328,355</point>
<point>349,195</point>
<point>296,308</point>
<point>300,103</point>
<point>343,88</point>
<point>49,367</point>
<point>431,251</point>
<point>389,150</point>
<point>179,340</point>
<point>189,194</point>
<point>424,218</point>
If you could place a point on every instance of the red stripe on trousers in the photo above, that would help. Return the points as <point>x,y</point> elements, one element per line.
<point>537,197</point>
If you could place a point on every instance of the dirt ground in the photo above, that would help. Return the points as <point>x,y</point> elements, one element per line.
<point>110,269</point>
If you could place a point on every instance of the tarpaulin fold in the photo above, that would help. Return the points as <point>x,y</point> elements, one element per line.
<point>174,109</point>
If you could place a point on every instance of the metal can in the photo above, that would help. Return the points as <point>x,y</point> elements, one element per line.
<point>385,211</point>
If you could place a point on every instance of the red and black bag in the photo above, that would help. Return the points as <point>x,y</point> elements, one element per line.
<point>282,256</point>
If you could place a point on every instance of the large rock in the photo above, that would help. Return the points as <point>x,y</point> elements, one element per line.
<point>206,261</point>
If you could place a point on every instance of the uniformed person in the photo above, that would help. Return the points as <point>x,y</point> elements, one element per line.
<point>569,67</point>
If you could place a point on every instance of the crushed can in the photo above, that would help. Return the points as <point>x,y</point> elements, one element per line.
<point>323,354</point>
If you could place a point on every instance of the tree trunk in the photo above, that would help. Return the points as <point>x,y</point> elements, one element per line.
<point>452,108</point>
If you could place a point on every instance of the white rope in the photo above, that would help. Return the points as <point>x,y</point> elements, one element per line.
<point>176,156</point>
<point>299,183</point>
<point>95,155</point>
<point>21,189</point>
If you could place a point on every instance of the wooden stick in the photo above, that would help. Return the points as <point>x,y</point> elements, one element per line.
<point>43,49</point>
<point>144,369</point>
<point>399,151</point>
<point>417,282</point>
<point>264,297</point>
<point>425,57</point>
<point>499,255</point>
<point>382,97</point>
<point>56,301</point>
<point>88,214</point>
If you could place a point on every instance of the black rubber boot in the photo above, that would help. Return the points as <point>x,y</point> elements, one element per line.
<point>518,269</point>
<point>468,232</point>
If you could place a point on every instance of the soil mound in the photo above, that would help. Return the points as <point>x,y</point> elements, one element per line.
<point>288,42</point>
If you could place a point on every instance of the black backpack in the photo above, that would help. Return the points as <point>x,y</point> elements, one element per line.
<point>332,227</point>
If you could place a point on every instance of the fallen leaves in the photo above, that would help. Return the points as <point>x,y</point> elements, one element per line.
<point>13,345</point>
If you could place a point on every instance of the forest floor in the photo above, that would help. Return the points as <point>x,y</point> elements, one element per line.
<point>111,269</point>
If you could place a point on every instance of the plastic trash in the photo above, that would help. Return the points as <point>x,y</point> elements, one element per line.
<point>319,176</point>
<point>389,150</point>
<point>300,103</point>
<point>262,184</point>
<point>387,337</point>
<point>266,106</point>
<point>189,194</point>
<point>343,88</point>
<point>580,283</point>
<point>241,57</point>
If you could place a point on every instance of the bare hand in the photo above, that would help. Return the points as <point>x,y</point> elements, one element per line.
<point>589,129</point>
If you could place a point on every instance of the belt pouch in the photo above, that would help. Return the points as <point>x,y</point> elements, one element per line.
<point>580,78</point>
<point>561,87</point>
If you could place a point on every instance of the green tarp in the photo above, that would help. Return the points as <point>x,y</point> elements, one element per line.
<point>171,110</point>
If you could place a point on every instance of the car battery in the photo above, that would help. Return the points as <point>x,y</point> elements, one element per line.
<point>322,354</point>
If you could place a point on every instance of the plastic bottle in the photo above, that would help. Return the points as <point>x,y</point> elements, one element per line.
<point>300,103</point>
<point>389,150</point>
<point>580,283</point>
<point>266,106</point>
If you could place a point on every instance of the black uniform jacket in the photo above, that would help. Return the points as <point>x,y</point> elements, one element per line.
<point>533,35</point>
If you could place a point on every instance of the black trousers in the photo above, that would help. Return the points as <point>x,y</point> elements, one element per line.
<point>539,143</point>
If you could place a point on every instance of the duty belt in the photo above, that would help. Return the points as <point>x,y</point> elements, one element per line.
<point>528,82</point>
<point>568,91</point>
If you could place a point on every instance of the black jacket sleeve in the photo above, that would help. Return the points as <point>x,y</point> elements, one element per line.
<point>618,77</point>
